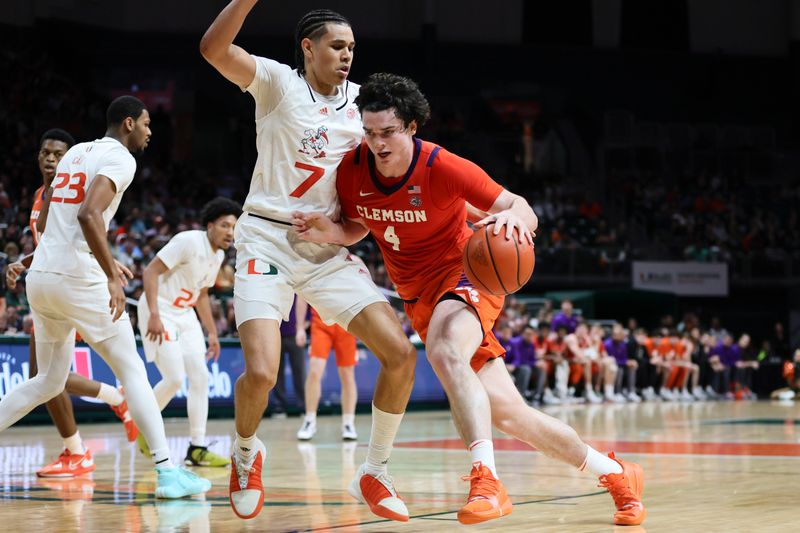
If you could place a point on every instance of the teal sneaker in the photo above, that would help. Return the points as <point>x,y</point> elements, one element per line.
<point>174,482</point>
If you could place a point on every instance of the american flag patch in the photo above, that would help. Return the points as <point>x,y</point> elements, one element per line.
<point>414,189</point>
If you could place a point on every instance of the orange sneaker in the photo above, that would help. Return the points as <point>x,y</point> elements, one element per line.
<point>379,494</point>
<point>487,497</point>
<point>246,491</point>
<point>121,410</point>
<point>626,489</point>
<point>69,465</point>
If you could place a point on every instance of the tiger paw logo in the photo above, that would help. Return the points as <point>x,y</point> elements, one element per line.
<point>314,142</point>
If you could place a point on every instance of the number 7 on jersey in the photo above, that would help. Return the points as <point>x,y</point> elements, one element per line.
<point>316,175</point>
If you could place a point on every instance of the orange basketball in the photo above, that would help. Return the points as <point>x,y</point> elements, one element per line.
<point>496,265</point>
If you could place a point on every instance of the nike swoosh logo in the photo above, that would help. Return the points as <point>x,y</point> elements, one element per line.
<point>362,193</point>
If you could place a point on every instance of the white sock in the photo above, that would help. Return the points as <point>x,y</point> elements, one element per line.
<point>482,451</point>
<point>110,395</point>
<point>197,437</point>
<point>74,444</point>
<point>311,417</point>
<point>246,447</point>
<point>161,458</point>
<point>384,429</point>
<point>609,391</point>
<point>599,464</point>
<point>348,420</point>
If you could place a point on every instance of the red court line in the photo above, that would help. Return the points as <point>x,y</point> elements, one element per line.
<point>645,447</point>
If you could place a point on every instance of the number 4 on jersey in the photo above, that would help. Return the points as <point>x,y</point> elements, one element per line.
<point>392,238</point>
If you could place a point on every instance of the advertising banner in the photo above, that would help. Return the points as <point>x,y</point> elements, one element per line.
<point>14,370</point>
<point>681,277</point>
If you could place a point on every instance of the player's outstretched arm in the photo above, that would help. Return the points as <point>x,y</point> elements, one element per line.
<point>90,216</point>
<point>319,228</point>
<point>217,47</point>
<point>511,210</point>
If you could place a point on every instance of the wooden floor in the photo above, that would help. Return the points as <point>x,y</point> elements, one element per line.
<point>709,466</point>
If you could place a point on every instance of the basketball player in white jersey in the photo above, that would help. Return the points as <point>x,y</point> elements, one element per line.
<point>73,274</point>
<point>306,121</point>
<point>175,282</point>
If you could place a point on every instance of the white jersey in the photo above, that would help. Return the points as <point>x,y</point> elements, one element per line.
<point>301,137</point>
<point>63,248</point>
<point>192,265</point>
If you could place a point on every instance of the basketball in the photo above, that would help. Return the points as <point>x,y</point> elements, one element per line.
<point>495,264</point>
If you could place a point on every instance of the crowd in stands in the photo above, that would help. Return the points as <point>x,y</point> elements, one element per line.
<point>554,356</point>
<point>558,357</point>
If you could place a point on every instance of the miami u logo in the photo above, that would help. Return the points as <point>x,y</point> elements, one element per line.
<point>251,268</point>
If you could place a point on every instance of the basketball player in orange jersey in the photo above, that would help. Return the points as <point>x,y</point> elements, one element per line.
<point>306,122</point>
<point>580,361</point>
<point>75,459</point>
<point>323,339</point>
<point>414,197</point>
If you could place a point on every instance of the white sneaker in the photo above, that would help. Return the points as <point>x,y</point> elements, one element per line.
<point>592,397</point>
<point>685,396</point>
<point>649,394</point>
<point>548,398</point>
<point>378,492</point>
<point>699,395</point>
<point>711,393</point>
<point>349,432</point>
<point>307,430</point>
<point>634,398</point>
<point>667,395</point>
<point>246,490</point>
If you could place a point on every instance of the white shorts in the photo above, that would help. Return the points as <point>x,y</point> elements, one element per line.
<point>61,304</point>
<point>184,335</point>
<point>272,264</point>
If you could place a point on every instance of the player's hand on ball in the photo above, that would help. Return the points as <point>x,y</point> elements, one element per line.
<point>13,273</point>
<point>155,330</point>
<point>213,348</point>
<point>510,221</point>
<point>117,302</point>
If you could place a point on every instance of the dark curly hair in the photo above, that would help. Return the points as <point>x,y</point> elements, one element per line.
<point>313,26</point>
<point>219,207</point>
<point>57,134</point>
<point>389,91</point>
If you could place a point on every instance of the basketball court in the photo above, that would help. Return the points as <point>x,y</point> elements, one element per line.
<point>710,467</point>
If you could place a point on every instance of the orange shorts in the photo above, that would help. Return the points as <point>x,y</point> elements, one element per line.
<point>324,338</point>
<point>486,306</point>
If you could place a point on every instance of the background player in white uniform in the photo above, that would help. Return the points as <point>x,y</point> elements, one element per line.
<point>73,273</point>
<point>70,463</point>
<point>176,281</point>
<point>306,121</point>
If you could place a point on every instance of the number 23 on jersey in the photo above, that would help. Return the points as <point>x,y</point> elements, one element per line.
<point>69,189</point>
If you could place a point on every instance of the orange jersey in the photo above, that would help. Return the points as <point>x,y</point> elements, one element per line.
<point>419,220</point>
<point>666,346</point>
<point>38,203</point>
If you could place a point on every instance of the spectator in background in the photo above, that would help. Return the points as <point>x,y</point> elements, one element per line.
<point>293,343</point>
<point>617,348</point>
<point>522,361</point>
<point>565,317</point>
<point>18,299</point>
<point>723,359</point>
<point>746,367</point>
